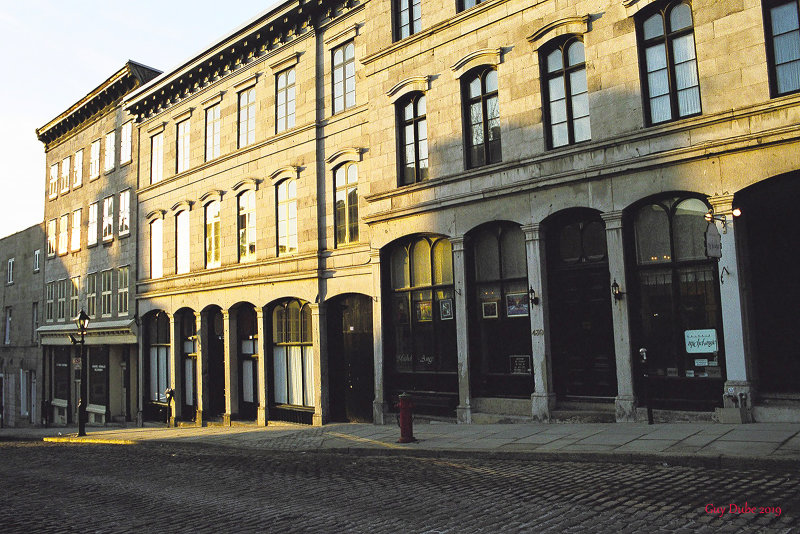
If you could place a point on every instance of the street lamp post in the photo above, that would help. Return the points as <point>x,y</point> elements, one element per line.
<point>82,320</point>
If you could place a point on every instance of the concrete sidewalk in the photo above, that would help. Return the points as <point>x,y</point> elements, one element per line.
<point>768,445</point>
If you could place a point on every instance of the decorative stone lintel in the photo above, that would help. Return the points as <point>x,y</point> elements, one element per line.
<point>215,99</point>
<point>345,154</point>
<point>182,205</point>
<point>247,83</point>
<point>210,196</point>
<point>409,85</point>
<point>485,56</point>
<point>183,115</point>
<point>569,25</point>
<point>290,171</point>
<point>285,62</point>
<point>156,129</point>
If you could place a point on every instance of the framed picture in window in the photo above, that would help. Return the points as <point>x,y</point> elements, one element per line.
<point>446,309</point>
<point>517,305</point>
<point>489,309</point>
<point>424,311</point>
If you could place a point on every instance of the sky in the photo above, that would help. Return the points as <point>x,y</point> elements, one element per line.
<point>52,53</point>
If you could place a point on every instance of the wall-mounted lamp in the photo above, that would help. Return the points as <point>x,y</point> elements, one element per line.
<point>533,297</point>
<point>615,291</point>
<point>710,217</point>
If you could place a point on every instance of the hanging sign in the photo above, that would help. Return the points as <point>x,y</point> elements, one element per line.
<point>700,341</point>
<point>713,242</point>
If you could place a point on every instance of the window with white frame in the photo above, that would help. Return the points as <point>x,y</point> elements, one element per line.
<point>293,354</point>
<point>182,239</point>
<point>51,237</point>
<point>8,326</point>
<point>10,271</point>
<point>108,219</point>
<point>61,303</point>
<point>77,169</point>
<point>344,77</point>
<point>123,279</point>
<point>156,158</point>
<point>183,146</point>
<point>65,168</point>
<point>157,248</point>
<point>346,203</point>
<point>91,294</point>
<point>111,141</point>
<point>75,241</point>
<point>73,296</point>
<point>212,132</point>
<point>63,234</point>
<point>48,302</point>
<point>36,258</point>
<point>213,252</point>
<point>124,227</point>
<point>91,234</point>
<point>94,160</point>
<point>52,190</point>
<point>247,226</point>
<point>105,292</point>
<point>565,92</point>
<point>285,101</point>
<point>247,117</point>
<point>287,216</point>
<point>125,143</point>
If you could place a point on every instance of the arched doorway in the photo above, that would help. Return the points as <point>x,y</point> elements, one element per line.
<point>214,365</point>
<point>770,249</point>
<point>156,365</point>
<point>420,341</point>
<point>674,295</point>
<point>579,291</point>
<point>291,381</point>
<point>351,366</point>
<point>187,325</point>
<point>499,312</point>
<point>247,347</point>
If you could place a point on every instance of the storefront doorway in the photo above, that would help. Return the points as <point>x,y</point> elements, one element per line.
<point>350,358</point>
<point>214,371</point>
<point>583,359</point>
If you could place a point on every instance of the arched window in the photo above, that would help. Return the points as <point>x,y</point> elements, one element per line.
<point>156,248</point>
<point>158,341</point>
<point>213,237</point>
<point>413,126</point>
<point>286,192</point>
<point>247,226</point>
<point>481,117</point>
<point>421,346</point>
<point>182,240</point>
<point>677,294</point>
<point>500,310</point>
<point>293,354</point>
<point>669,63</point>
<point>565,93</point>
<point>346,203</point>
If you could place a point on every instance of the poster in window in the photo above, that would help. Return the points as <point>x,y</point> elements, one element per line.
<point>424,309</point>
<point>489,309</point>
<point>446,309</point>
<point>517,305</point>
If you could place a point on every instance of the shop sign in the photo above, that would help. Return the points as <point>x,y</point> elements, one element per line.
<point>519,364</point>
<point>700,341</point>
<point>713,242</point>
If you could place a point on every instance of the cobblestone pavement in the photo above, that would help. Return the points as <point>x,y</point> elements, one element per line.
<point>53,487</point>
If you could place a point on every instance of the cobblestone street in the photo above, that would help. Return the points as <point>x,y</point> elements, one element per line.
<point>188,488</point>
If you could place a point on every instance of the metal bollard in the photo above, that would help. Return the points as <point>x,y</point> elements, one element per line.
<point>405,418</point>
<point>646,385</point>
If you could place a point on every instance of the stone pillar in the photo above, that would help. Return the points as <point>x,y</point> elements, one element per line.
<point>625,403</point>
<point>379,405</point>
<point>319,340</point>
<point>175,350</point>
<point>201,326</point>
<point>263,348</point>
<point>737,365</point>
<point>464,408</point>
<point>543,398</point>
<point>140,379</point>
<point>231,338</point>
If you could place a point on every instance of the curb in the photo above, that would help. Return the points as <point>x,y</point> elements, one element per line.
<point>92,441</point>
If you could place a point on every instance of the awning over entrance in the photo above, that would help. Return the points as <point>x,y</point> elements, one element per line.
<point>122,331</point>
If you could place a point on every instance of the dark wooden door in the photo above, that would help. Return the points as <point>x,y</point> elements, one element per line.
<point>350,356</point>
<point>582,343</point>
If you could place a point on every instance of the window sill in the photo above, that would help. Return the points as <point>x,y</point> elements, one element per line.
<point>91,245</point>
<point>126,234</point>
<point>78,185</point>
<point>93,178</point>
<point>106,172</point>
<point>125,163</point>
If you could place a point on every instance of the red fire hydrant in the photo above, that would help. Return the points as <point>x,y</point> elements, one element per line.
<point>405,419</point>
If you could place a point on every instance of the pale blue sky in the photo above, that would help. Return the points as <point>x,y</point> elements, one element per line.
<point>52,53</point>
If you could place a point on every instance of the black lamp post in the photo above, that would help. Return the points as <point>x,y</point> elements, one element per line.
<point>82,320</point>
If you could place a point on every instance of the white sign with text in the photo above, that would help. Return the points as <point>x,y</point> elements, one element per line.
<point>700,341</point>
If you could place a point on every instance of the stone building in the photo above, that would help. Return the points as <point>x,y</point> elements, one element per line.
<point>89,253</point>
<point>21,305</point>
<point>490,205</point>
